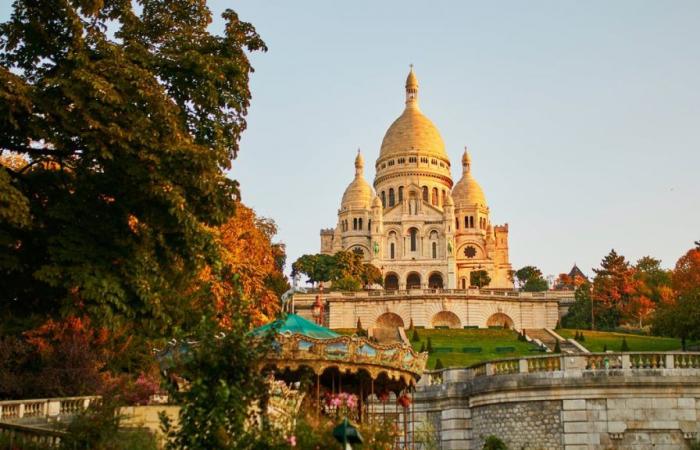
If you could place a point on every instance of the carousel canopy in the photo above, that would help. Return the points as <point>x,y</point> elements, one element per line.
<point>293,324</point>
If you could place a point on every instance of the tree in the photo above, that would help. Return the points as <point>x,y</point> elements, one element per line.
<point>530,279</point>
<point>624,347</point>
<point>224,381</point>
<point>438,365</point>
<point>415,337</point>
<point>345,270</point>
<point>479,278</point>
<point>613,288</point>
<point>579,313</point>
<point>680,316</point>
<point>248,261</point>
<point>127,136</point>
<point>494,443</point>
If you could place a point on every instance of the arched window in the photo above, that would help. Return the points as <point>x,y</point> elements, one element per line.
<point>400,194</point>
<point>359,223</point>
<point>383,200</point>
<point>425,193</point>
<point>434,250</point>
<point>414,239</point>
<point>444,196</point>
<point>456,223</point>
<point>391,197</point>
<point>435,197</point>
<point>464,283</point>
<point>466,221</point>
<point>392,251</point>
<point>471,221</point>
<point>369,225</point>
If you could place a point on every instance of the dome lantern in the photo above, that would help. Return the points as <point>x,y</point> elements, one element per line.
<point>412,89</point>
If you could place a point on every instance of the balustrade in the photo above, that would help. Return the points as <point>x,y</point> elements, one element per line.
<point>544,364</point>
<point>686,361</point>
<point>14,410</point>
<point>647,361</point>
<point>506,366</point>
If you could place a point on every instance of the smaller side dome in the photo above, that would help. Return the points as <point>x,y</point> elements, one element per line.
<point>376,202</point>
<point>359,193</point>
<point>449,201</point>
<point>467,191</point>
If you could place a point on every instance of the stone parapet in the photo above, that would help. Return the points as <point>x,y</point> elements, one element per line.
<point>592,401</point>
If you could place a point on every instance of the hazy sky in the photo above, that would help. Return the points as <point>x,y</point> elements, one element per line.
<point>582,118</point>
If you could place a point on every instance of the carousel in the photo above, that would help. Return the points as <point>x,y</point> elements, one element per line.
<point>366,380</point>
<point>349,377</point>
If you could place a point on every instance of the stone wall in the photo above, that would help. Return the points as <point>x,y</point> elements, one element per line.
<point>471,307</point>
<point>647,402</point>
<point>519,425</point>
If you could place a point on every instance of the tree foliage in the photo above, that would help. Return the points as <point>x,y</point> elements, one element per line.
<point>126,138</point>
<point>530,279</point>
<point>249,262</point>
<point>345,269</point>
<point>479,278</point>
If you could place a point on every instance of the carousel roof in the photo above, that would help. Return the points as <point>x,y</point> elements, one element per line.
<point>293,324</point>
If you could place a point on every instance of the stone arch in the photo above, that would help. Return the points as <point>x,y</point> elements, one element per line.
<point>435,281</point>
<point>389,320</point>
<point>413,280</point>
<point>446,319</point>
<point>391,281</point>
<point>500,320</point>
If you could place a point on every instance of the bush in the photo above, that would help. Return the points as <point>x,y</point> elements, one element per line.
<point>624,347</point>
<point>557,348</point>
<point>438,364</point>
<point>415,337</point>
<point>494,443</point>
<point>605,348</point>
<point>582,338</point>
<point>422,347</point>
<point>429,347</point>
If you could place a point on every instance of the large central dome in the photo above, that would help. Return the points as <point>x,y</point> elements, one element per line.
<point>412,132</point>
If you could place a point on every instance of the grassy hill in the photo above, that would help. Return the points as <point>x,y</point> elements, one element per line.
<point>597,341</point>
<point>458,348</point>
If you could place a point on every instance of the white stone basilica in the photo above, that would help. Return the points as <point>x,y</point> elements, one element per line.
<point>418,228</point>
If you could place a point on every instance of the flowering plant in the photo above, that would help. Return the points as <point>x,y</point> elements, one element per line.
<point>341,404</point>
<point>404,400</point>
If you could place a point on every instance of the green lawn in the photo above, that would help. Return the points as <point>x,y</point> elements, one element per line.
<point>596,341</point>
<point>487,339</point>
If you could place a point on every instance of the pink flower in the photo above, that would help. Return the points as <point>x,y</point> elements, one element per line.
<point>292,440</point>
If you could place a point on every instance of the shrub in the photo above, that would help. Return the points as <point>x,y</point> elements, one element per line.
<point>422,347</point>
<point>605,348</point>
<point>494,443</point>
<point>582,338</point>
<point>415,337</point>
<point>429,347</point>
<point>557,348</point>
<point>410,324</point>
<point>624,347</point>
<point>438,364</point>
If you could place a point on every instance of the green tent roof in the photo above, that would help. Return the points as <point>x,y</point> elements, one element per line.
<point>297,325</point>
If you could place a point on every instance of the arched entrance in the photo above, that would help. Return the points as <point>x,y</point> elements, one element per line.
<point>389,320</point>
<point>500,320</point>
<point>391,282</point>
<point>446,319</point>
<point>435,281</point>
<point>413,281</point>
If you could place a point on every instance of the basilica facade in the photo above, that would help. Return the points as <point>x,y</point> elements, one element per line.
<point>416,225</point>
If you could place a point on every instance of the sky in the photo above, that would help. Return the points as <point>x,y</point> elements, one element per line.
<point>582,118</point>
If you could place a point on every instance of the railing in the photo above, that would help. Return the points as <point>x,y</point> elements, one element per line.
<point>15,410</point>
<point>548,295</point>
<point>611,363</point>
<point>18,435</point>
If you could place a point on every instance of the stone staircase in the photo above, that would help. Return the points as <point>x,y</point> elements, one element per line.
<point>550,341</point>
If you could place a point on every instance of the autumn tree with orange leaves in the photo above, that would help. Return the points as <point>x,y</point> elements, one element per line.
<point>251,266</point>
<point>679,315</point>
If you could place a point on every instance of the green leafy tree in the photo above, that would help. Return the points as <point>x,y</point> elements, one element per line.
<point>223,382</point>
<point>345,270</point>
<point>127,136</point>
<point>479,278</point>
<point>579,313</point>
<point>530,279</point>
